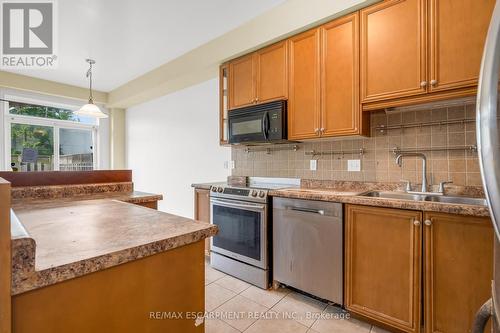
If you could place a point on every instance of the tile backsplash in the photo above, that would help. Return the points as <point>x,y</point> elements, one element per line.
<point>378,161</point>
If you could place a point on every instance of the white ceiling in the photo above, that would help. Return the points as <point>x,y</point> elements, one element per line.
<point>128,38</point>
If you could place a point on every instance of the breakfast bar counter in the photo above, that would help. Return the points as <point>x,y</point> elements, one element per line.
<point>74,238</point>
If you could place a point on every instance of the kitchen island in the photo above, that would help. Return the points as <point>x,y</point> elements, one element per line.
<point>83,264</point>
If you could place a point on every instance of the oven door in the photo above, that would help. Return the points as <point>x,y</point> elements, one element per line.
<point>242,230</point>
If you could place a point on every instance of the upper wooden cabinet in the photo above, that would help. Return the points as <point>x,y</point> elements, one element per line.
<point>272,73</point>
<point>340,107</point>
<point>415,51</point>
<point>458,260</point>
<point>242,82</point>
<point>324,82</point>
<point>458,31</point>
<point>259,77</point>
<point>304,86</point>
<point>393,50</point>
<point>383,265</point>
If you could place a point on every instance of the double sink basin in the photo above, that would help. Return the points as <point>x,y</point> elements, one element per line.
<point>426,197</point>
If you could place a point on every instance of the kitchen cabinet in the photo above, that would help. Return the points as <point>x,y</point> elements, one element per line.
<point>393,50</point>
<point>383,265</point>
<point>340,107</point>
<point>272,73</point>
<point>242,82</point>
<point>417,51</point>
<point>457,35</point>
<point>223,104</point>
<point>202,211</point>
<point>304,83</point>
<point>259,77</point>
<point>388,250</point>
<point>458,270</point>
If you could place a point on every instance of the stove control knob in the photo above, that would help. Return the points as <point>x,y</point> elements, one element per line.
<point>262,194</point>
<point>214,189</point>
<point>254,193</point>
<point>220,189</point>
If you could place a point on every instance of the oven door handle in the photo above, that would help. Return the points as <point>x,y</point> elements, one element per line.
<point>228,203</point>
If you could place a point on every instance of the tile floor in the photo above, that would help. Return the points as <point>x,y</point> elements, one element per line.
<point>236,306</point>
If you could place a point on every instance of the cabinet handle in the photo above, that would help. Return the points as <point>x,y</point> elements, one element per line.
<point>428,222</point>
<point>423,83</point>
<point>434,82</point>
<point>416,222</point>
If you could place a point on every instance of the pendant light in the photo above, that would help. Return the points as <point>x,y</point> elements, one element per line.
<point>90,109</point>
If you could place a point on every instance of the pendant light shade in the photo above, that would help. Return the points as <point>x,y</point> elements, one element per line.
<point>90,109</point>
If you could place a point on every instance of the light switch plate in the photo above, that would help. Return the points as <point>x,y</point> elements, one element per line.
<point>353,165</point>
<point>231,164</point>
<point>313,165</point>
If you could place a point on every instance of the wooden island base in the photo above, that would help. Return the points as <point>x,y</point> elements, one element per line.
<point>121,298</point>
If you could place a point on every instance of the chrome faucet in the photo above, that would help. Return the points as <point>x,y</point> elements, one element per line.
<point>399,161</point>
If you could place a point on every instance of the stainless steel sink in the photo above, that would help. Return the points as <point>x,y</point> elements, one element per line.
<point>426,197</point>
<point>456,200</point>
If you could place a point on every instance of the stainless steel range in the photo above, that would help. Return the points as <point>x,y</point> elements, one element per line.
<point>241,248</point>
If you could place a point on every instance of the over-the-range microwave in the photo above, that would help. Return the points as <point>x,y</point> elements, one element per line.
<point>256,124</point>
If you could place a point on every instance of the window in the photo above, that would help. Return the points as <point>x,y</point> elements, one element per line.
<point>44,138</point>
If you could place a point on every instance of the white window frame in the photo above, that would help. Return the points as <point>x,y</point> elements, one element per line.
<point>56,124</point>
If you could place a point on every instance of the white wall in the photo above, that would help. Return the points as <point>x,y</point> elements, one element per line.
<point>173,141</point>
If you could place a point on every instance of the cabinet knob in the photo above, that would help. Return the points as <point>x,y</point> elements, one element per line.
<point>256,99</point>
<point>434,82</point>
<point>423,83</point>
<point>322,130</point>
<point>416,222</point>
<point>316,130</point>
<point>428,222</point>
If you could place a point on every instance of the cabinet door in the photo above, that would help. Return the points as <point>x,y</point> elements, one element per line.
<point>202,211</point>
<point>304,85</point>
<point>393,50</point>
<point>340,110</point>
<point>458,31</point>
<point>223,104</point>
<point>241,82</point>
<point>272,74</point>
<point>383,265</point>
<point>458,270</point>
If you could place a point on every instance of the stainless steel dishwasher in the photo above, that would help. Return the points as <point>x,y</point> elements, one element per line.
<point>308,247</point>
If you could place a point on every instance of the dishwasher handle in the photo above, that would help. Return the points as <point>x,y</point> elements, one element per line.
<point>307,210</point>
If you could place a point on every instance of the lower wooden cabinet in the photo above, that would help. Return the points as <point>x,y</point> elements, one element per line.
<point>458,270</point>
<point>383,265</point>
<point>389,250</point>
<point>202,211</point>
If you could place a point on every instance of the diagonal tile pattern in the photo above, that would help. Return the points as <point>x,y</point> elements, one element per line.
<point>240,307</point>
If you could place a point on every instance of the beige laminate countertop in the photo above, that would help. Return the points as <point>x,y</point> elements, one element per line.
<point>56,240</point>
<point>353,197</point>
<point>349,193</point>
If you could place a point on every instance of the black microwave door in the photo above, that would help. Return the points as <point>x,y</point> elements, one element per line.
<point>250,127</point>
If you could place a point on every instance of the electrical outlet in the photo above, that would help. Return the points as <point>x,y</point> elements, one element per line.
<point>353,165</point>
<point>313,165</point>
<point>226,164</point>
<point>231,164</point>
